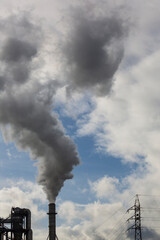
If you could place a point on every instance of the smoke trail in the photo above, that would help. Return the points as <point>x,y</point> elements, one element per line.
<point>26,115</point>
<point>93,51</point>
<point>92,54</point>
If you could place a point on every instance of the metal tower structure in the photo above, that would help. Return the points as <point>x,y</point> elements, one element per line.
<point>136,218</point>
<point>17,226</point>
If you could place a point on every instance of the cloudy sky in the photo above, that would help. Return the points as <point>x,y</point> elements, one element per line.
<point>79,113</point>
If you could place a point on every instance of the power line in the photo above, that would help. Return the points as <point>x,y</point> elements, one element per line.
<point>109,217</point>
<point>149,208</point>
<point>148,195</point>
<point>119,227</point>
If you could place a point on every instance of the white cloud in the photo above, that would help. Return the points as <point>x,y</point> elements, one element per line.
<point>94,220</point>
<point>108,220</point>
<point>25,194</point>
<point>91,220</point>
<point>67,210</point>
<point>73,106</point>
<point>105,187</point>
<point>9,153</point>
<point>130,123</point>
<point>125,124</point>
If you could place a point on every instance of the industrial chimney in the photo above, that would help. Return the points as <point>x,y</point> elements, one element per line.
<point>52,221</point>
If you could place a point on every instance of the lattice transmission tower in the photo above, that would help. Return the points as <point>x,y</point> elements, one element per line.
<point>136,218</point>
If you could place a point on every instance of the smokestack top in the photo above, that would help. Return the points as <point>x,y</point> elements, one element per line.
<point>52,208</point>
<point>52,221</point>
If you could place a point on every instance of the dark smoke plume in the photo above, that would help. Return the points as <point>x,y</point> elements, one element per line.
<point>93,51</point>
<point>15,50</point>
<point>26,115</point>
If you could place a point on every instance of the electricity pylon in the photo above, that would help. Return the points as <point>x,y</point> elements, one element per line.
<point>137,219</point>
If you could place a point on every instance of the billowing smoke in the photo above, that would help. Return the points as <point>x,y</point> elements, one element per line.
<point>93,51</point>
<point>91,54</point>
<point>26,114</point>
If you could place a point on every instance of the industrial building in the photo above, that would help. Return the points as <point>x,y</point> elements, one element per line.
<point>18,225</point>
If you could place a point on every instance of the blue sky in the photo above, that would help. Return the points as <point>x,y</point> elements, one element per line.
<point>79,76</point>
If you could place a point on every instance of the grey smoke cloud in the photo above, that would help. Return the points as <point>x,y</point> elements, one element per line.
<point>17,55</point>
<point>26,115</point>
<point>2,83</point>
<point>15,50</point>
<point>93,51</point>
<point>92,54</point>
